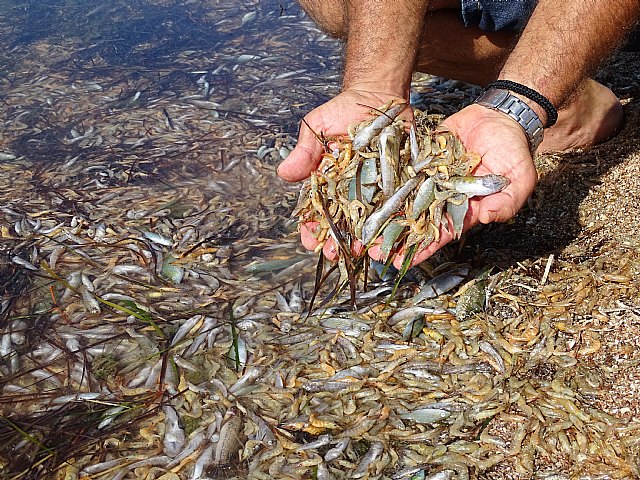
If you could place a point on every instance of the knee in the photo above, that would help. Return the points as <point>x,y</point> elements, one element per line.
<point>328,15</point>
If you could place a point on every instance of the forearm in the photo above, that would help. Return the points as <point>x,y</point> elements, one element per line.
<point>565,41</point>
<point>382,42</point>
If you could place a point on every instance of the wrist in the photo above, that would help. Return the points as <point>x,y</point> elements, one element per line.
<point>534,106</point>
<point>388,86</point>
<point>504,101</point>
<point>537,102</point>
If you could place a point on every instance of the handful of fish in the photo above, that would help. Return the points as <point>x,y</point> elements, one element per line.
<point>385,181</point>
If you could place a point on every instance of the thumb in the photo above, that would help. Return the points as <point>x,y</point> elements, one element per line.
<point>303,159</point>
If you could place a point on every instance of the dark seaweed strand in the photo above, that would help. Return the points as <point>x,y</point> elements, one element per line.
<point>346,252</point>
<point>318,282</point>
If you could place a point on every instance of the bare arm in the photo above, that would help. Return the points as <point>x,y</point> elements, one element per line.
<point>382,43</point>
<point>382,39</point>
<point>565,41</point>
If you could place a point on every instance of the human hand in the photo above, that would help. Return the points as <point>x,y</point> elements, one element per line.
<point>504,149</point>
<point>501,143</point>
<point>329,120</point>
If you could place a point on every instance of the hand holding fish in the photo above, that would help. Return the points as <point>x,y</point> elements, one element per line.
<point>327,121</point>
<point>369,191</point>
<point>504,150</point>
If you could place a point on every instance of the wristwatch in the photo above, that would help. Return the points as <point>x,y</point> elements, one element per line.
<point>504,101</point>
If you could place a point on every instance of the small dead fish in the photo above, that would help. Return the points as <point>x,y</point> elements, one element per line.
<point>250,375</point>
<point>424,197</point>
<point>322,472</point>
<point>411,313</point>
<point>375,450</point>
<point>441,284</point>
<point>373,224</point>
<point>472,297</point>
<point>476,186</point>
<point>349,326</point>
<point>89,301</point>
<point>248,17</point>
<point>389,236</point>
<point>320,442</point>
<point>296,300</point>
<point>426,415</point>
<point>157,238</point>
<point>413,329</point>
<point>457,210</point>
<point>364,136</point>
<point>171,272</point>
<point>389,148</point>
<point>194,444</point>
<point>337,451</point>
<point>487,348</point>
<point>413,142</point>
<point>229,440</point>
<point>23,263</point>
<point>315,386</point>
<point>203,460</point>
<point>185,328</point>
<point>174,435</point>
<point>238,355</point>
<point>268,266</point>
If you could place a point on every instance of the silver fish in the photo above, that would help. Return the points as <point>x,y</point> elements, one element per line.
<point>476,186</point>
<point>364,136</point>
<point>376,220</point>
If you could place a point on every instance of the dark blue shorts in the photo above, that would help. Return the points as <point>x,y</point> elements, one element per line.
<point>494,15</point>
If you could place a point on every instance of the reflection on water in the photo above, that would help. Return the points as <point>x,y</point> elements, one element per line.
<point>262,63</point>
<point>146,101</point>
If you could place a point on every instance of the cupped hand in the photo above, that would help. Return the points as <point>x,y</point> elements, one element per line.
<point>504,149</point>
<point>499,140</point>
<point>329,120</point>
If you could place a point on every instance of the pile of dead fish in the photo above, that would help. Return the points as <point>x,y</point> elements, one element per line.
<point>213,372</point>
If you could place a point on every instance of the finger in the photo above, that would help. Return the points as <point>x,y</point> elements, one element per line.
<point>307,237</point>
<point>330,249</point>
<point>309,241</point>
<point>421,255</point>
<point>303,159</point>
<point>499,207</point>
<point>374,250</point>
<point>357,248</point>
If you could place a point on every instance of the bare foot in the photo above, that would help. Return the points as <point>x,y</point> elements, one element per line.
<point>592,116</point>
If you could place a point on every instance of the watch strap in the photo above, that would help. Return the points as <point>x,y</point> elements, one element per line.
<point>504,101</point>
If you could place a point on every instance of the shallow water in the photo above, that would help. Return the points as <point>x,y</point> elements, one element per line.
<point>149,270</point>
<point>134,132</point>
